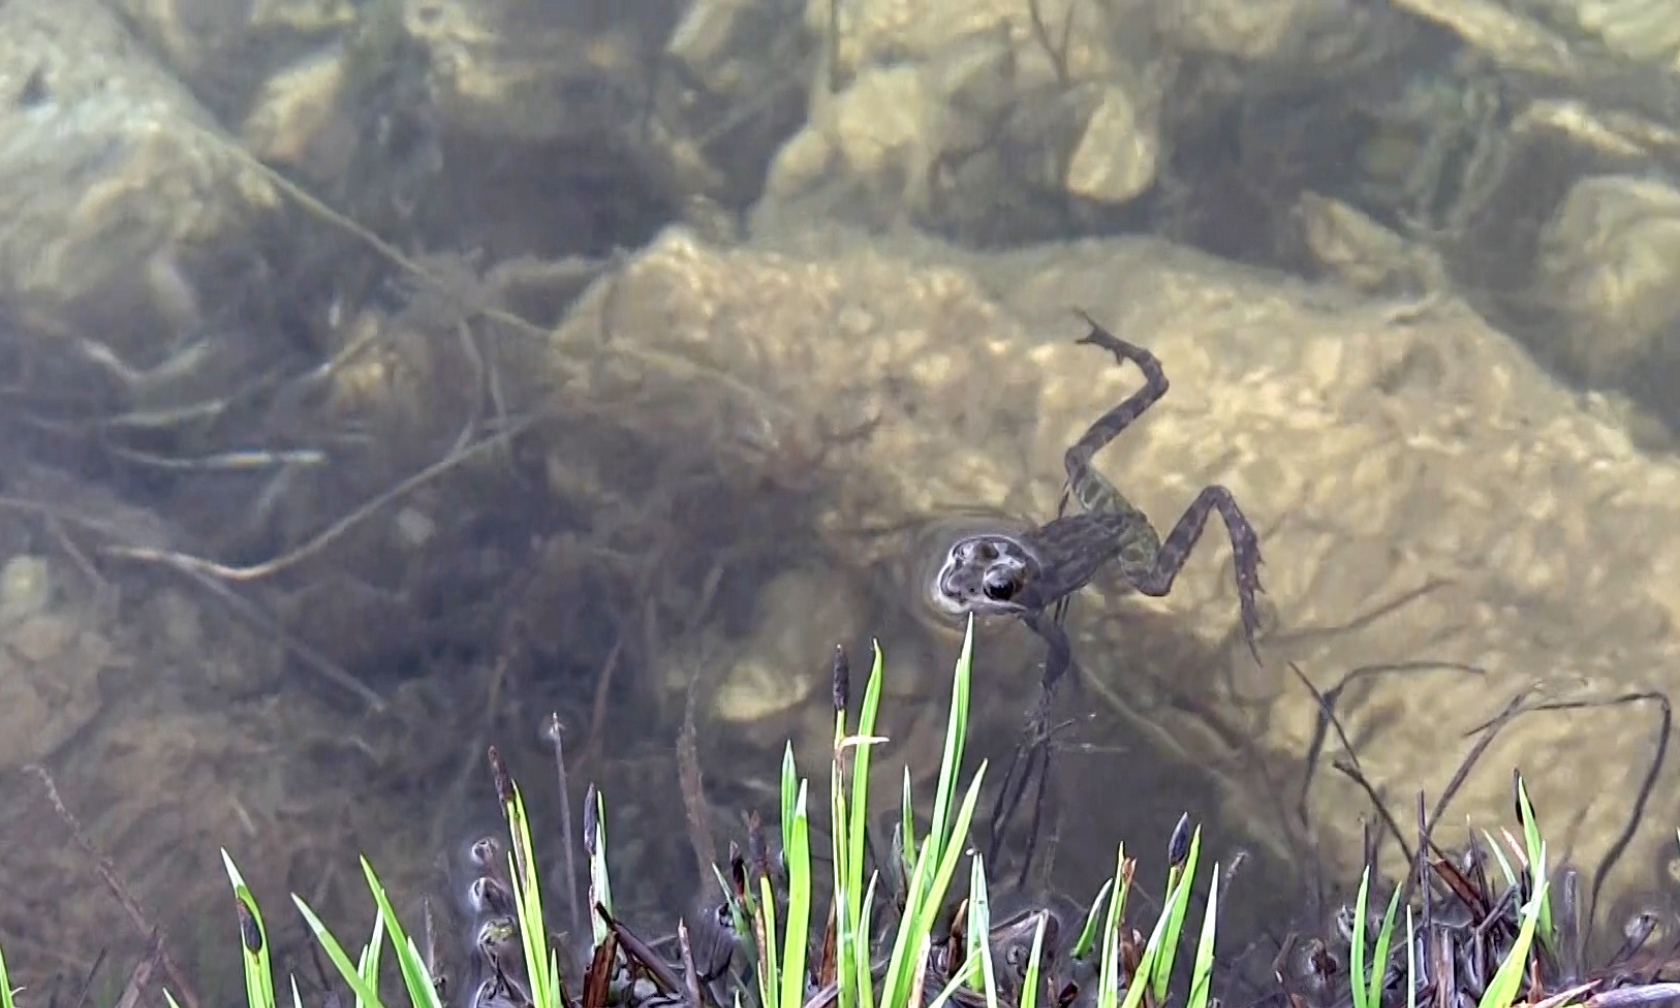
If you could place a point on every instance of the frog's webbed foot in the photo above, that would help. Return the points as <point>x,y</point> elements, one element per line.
<point>1245,548</point>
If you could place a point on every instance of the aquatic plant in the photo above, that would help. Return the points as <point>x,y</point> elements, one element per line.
<point>893,939</point>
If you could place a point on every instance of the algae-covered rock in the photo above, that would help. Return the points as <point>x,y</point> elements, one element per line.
<point>51,656</point>
<point>1305,36</point>
<point>1364,254</point>
<point>1610,263</point>
<point>1641,31</point>
<point>998,122</point>
<point>116,186</point>
<point>528,72</point>
<point>1510,39</point>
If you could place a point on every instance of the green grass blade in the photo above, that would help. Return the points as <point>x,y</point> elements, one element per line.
<point>929,884</point>
<point>540,965</point>
<point>1201,974</point>
<point>956,733</point>
<point>931,863</point>
<point>769,968</point>
<point>422,993</point>
<point>1498,850</point>
<point>1152,950</point>
<point>740,923</point>
<point>1357,978</point>
<point>907,831</point>
<point>6,993</point>
<point>865,971</point>
<point>860,761</point>
<point>600,880</point>
<point>368,965</point>
<point>854,950</point>
<point>1088,934</point>
<point>932,867</point>
<point>964,976</point>
<point>1035,962</point>
<point>259,974</point>
<point>1534,845</point>
<point>797,855</point>
<point>364,993</point>
<point>1108,968</point>
<point>845,894</point>
<point>1163,966</point>
<point>979,927</point>
<point>1379,959</point>
<point>1507,980</point>
<point>789,784</point>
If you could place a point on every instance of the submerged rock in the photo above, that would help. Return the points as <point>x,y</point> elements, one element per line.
<point>52,657</point>
<point>118,189</point>
<point>784,663</point>
<point>1361,252</point>
<point>1295,36</point>
<point>1642,31</point>
<point>1610,263</point>
<point>1425,494</point>
<point>987,121</point>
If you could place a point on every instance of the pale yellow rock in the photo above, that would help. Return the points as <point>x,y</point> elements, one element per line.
<point>25,588</point>
<point>786,660</point>
<point>875,135</point>
<point>505,68</point>
<point>1609,264</point>
<point>295,108</point>
<point>1115,160</point>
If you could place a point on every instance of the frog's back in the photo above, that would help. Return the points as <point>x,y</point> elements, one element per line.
<point>1136,541</point>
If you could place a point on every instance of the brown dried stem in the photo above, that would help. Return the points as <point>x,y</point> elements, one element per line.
<point>107,870</point>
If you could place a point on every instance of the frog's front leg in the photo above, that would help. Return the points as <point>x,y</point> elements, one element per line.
<point>1157,581</point>
<point>1060,657</point>
<point>1030,763</point>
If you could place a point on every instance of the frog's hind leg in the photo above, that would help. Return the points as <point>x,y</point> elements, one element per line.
<point>1108,426</point>
<point>1245,548</point>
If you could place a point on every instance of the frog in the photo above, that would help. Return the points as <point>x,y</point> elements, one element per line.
<point>1032,575</point>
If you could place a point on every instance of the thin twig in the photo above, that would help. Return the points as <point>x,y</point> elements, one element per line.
<point>1041,35</point>
<point>140,978</point>
<point>670,363</point>
<point>593,752</point>
<point>334,531</point>
<point>694,789</point>
<point>107,871</point>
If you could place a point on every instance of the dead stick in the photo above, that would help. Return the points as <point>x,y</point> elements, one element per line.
<point>333,532</point>
<point>130,905</point>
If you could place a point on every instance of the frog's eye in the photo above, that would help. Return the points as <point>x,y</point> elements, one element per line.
<point>1000,585</point>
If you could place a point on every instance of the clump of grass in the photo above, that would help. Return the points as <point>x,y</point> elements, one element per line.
<point>897,933</point>
<point>1490,926</point>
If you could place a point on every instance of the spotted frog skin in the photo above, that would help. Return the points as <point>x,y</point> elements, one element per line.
<point>1030,575</point>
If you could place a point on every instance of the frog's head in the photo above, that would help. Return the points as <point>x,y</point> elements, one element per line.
<point>985,574</point>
